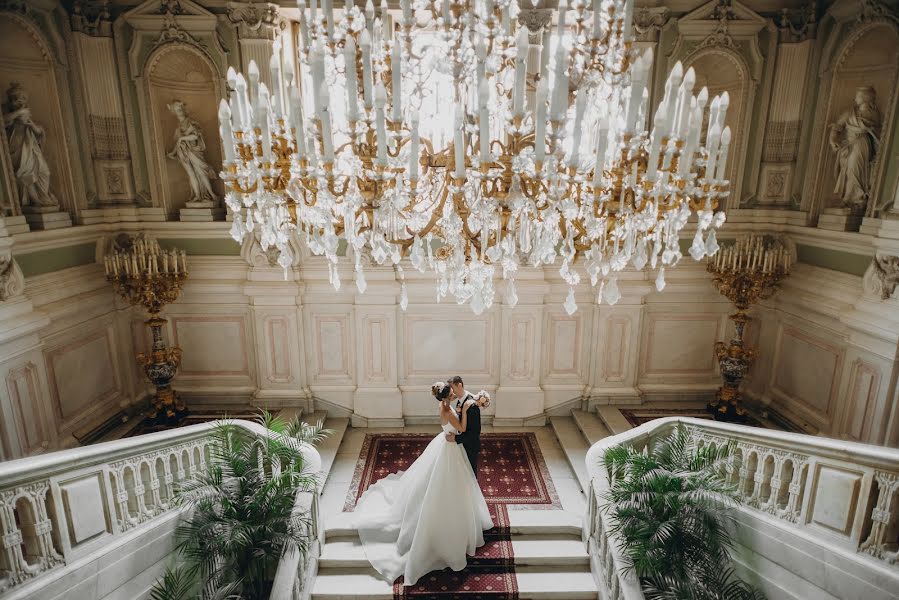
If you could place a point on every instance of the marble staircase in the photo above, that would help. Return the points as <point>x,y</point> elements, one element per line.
<point>550,559</point>
<point>575,435</point>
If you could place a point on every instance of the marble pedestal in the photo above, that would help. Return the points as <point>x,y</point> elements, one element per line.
<point>886,227</point>
<point>202,211</point>
<point>109,214</point>
<point>16,224</point>
<point>839,219</point>
<point>49,217</point>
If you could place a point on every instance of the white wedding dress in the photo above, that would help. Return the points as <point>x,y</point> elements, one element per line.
<point>427,518</point>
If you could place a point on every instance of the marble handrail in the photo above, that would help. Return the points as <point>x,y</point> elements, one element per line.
<point>62,507</point>
<point>840,494</point>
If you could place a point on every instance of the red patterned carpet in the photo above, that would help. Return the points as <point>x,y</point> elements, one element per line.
<point>512,472</point>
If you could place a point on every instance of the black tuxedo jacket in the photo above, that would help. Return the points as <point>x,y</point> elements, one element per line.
<point>471,438</point>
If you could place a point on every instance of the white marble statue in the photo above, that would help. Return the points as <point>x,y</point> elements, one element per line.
<point>26,141</point>
<point>855,137</point>
<point>190,151</point>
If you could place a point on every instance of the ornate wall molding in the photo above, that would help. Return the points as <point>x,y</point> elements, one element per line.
<point>12,282</point>
<point>882,277</point>
<point>256,21</point>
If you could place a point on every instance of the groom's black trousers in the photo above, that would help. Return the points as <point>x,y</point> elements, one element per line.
<point>472,453</point>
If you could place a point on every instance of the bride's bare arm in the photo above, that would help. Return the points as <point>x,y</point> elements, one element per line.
<point>454,421</point>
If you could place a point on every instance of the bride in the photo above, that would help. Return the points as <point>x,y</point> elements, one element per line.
<point>430,516</point>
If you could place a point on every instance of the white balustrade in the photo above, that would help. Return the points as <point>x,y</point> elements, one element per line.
<point>843,496</point>
<point>61,507</point>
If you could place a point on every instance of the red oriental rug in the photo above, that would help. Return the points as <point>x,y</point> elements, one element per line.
<point>512,472</point>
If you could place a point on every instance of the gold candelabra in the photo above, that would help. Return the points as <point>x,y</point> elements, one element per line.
<point>745,272</point>
<point>142,273</point>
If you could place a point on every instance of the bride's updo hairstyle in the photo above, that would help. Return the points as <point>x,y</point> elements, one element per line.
<point>440,390</point>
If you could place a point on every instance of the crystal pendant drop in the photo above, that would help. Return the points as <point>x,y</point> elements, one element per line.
<point>711,244</point>
<point>404,297</point>
<point>697,250</point>
<point>570,305</point>
<point>611,293</point>
<point>511,295</point>
<point>361,284</point>
<point>660,279</point>
<point>477,303</point>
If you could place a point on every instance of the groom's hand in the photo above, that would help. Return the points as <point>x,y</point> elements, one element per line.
<point>450,436</point>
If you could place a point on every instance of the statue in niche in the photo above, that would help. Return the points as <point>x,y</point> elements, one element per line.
<point>190,151</point>
<point>855,138</point>
<point>26,141</point>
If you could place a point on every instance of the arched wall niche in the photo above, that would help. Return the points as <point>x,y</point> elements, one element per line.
<point>180,71</point>
<point>722,70</point>
<point>868,57</point>
<point>27,57</point>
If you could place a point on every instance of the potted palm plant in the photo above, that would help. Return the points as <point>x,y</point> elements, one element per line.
<point>241,512</point>
<point>671,507</point>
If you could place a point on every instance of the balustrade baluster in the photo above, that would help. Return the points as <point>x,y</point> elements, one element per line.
<point>882,515</point>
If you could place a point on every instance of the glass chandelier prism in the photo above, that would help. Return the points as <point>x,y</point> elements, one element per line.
<point>446,134</point>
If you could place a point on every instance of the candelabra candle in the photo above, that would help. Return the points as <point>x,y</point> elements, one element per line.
<point>744,272</point>
<point>464,157</point>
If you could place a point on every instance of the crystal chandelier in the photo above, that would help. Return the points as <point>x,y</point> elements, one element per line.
<point>441,137</point>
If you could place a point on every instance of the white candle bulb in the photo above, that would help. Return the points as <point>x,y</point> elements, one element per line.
<point>602,139</point>
<point>540,121</point>
<point>580,105</point>
<point>381,130</point>
<point>722,108</point>
<point>325,116</point>
<point>253,74</point>
<point>597,21</point>
<point>243,108</point>
<point>365,42</point>
<point>521,56</point>
<point>413,145</point>
<point>459,143</point>
<point>352,85</point>
<point>328,9</point>
<point>274,67</point>
<point>225,130</point>
<point>407,11</point>
<point>712,144</point>
<point>722,154</point>
<point>296,120</point>
<point>396,85</point>
<point>484,120</point>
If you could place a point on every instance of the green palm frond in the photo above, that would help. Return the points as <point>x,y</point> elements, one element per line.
<point>242,514</point>
<point>176,584</point>
<point>670,504</point>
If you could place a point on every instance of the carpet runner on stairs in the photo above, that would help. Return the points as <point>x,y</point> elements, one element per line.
<point>512,474</point>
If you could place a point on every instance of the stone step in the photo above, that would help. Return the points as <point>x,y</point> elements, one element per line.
<point>521,522</point>
<point>613,419</point>
<point>590,425</point>
<point>574,446</point>
<point>529,550</point>
<point>535,583</point>
<point>329,446</point>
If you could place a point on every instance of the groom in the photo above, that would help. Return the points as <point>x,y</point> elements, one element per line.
<point>471,438</point>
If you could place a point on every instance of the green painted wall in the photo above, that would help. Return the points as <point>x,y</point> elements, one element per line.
<point>836,260</point>
<point>56,259</point>
<point>203,246</point>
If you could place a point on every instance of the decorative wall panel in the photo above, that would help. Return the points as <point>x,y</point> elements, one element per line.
<point>213,346</point>
<point>439,344</point>
<point>83,376</point>
<point>680,345</point>
<point>806,373</point>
